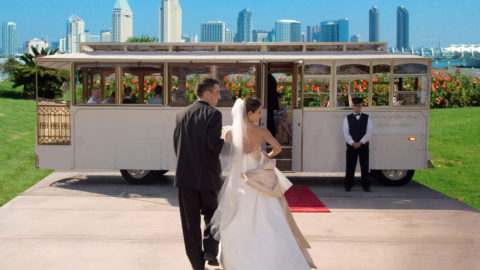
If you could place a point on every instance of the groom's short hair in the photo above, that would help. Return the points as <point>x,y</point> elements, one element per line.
<point>206,85</point>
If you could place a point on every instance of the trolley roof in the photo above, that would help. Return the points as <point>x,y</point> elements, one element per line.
<point>120,53</point>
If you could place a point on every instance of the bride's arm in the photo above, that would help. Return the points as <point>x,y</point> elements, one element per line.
<point>276,147</point>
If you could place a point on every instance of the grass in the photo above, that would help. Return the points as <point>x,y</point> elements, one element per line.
<point>455,152</point>
<point>17,147</point>
<point>454,148</point>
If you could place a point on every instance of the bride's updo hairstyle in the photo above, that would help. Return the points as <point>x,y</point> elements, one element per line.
<point>251,104</point>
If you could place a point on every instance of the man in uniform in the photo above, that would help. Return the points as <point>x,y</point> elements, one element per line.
<point>357,129</point>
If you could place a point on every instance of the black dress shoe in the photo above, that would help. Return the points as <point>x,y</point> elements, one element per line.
<point>366,189</point>
<point>211,260</point>
<point>347,189</point>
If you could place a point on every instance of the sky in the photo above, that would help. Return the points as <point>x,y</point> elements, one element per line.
<point>451,21</point>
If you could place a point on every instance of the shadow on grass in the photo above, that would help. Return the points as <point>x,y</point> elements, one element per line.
<point>12,93</point>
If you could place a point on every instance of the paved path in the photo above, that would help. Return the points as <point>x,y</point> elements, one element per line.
<point>79,220</point>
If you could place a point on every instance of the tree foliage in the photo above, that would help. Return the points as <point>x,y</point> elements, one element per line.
<point>143,38</point>
<point>9,66</point>
<point>49,80</point>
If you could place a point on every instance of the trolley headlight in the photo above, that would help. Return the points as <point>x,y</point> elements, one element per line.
<point>412,139</point>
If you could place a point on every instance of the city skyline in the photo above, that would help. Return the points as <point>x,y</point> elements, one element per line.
<point>427,18</point>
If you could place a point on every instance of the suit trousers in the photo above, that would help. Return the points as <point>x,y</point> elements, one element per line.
<point>193,204</point>
<point>353,155</point>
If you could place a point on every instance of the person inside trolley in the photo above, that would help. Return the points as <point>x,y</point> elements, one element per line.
<point>357,129</point>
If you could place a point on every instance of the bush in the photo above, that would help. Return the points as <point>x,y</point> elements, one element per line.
<point>452,89</point>
<point>49,80</point>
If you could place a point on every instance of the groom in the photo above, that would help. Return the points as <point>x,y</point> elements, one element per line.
<point>197,145</point>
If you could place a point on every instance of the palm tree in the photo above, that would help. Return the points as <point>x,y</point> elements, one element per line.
<point>49,80</point>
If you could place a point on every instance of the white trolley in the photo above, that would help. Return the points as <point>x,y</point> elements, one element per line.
<point>318,81</point>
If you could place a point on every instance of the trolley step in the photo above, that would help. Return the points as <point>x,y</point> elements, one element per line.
<point>284,164</point>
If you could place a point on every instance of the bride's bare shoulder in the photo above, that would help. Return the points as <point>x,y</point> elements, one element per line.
<point>265,132</point>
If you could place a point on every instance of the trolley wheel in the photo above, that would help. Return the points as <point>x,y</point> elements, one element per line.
<point>140,177</point>
<point>394,177</point>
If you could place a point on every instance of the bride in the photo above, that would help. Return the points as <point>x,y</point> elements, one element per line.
<point>256,230</point>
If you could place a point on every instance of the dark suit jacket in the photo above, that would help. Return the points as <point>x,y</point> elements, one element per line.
<point>197,145</point>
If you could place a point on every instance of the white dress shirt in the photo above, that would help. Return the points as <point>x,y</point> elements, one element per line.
<point>93,100</point>
<point>346,131</point>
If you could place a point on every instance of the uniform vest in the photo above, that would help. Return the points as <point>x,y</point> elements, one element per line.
<point>357,128</point>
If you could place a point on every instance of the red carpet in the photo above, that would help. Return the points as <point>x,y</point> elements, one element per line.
<point>302,199</point>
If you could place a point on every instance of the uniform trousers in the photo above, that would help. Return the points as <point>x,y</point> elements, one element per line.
<point>352,156</point>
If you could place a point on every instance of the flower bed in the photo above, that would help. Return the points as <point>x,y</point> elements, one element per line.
<point>452,89</point>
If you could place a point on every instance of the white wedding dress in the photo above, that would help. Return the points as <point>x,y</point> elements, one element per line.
<point>258,236</point>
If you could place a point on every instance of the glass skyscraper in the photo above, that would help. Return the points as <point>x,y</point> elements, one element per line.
<point>288,31</point>
<point>334,31</point>
<point>374,24</point>
<point>244,26</point>
<point>9,39</point>
<point>212,31</point>
<point>402,28</point>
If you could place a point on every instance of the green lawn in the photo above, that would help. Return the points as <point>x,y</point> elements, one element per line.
<point>17,147</point>
<point>454,147</point>
<point>455,152</point>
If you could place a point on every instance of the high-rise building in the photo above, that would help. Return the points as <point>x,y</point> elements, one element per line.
<point>55,45</point>
<point>190,39</point>
<point>313,33</point>
<point>343,30</point>
<point>244,26</point>
<point>9,39</point>
<point>356,38</point>
<point>260,36</point>
<point>228,35</point>
<point>271,36</point>
<point>288,31</point>
<point>374,24</point>
<point>334,31</point>
<point>122,21</point>
<point>303,37</point>
<point>36,43</point>
<point>402,28</point>
<point>89,37</point>
<point>75,33</point>
<point>170,21</point>
<point>194,38</point>
<point>212,31</point>
<point>105,36</point>
<point>62,44</point>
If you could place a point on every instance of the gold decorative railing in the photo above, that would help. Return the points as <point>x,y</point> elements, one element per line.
<point>53,122</point>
